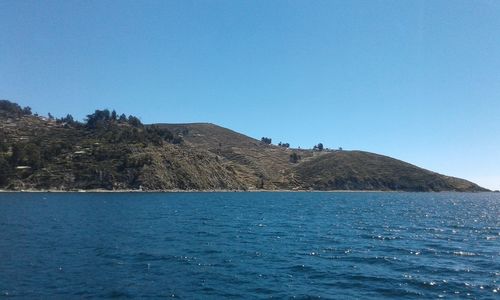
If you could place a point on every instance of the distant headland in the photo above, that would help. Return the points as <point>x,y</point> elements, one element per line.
<point>111,151</point>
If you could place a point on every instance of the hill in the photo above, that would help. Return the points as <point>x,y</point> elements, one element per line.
<point>316,170</point>
<point>260,165</point>
<point>358,170</point>
<point>119,153</point>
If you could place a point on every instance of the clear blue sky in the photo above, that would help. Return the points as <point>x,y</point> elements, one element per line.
<point>416,80</point>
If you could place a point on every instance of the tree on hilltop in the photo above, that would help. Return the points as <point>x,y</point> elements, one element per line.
<point>134,121</point>
<point>14,108</point>
<point>27,111</point>
<point>318,147</point>
<point>266,140</point>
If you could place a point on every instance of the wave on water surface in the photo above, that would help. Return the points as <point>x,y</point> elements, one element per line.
<point>250,245</point>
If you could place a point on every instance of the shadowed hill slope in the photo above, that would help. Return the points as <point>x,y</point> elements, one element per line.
<point>357,170</point>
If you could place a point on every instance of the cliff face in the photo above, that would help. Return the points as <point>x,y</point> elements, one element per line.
<point>40,153</point>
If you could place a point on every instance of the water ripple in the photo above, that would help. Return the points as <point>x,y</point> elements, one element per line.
<point>250,245</point>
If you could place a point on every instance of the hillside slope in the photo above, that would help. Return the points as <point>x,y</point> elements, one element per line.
<point>120,153</point>
<point>357,170</point>
<point>39,153</point>
<point>261,165</point>
<point>317,170</point>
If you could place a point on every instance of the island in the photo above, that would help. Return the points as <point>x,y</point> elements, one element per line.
<point>116,152</point>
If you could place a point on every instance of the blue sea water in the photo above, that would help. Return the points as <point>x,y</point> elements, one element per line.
<point>250,245</point>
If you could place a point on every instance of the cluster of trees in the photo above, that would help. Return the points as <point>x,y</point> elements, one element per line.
<point>26,157</point>
<point>266,140</point>
<point>101,118</point>
<point>22,154</point>
<point>68,120</point>
<point>106,124</point>
<point>318,147</point>
<point>284,145</point>
<point>106,145</point>
<point>104,135</point>
<point>157,135</point>
<point>26,154</point>
<point>14,108</point>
